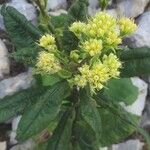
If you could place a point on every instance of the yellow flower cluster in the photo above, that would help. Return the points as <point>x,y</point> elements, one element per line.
<point>95,61</point>
<point>92,46</point>
<point>104,27</point>
<point>47,41</point>
<point>99,73</point>
<point>47,63</point>
<point>127,26</point>
<point>101,35</point>
<point>113,64</point>
<point>112,39</point>
<point>77,28</point>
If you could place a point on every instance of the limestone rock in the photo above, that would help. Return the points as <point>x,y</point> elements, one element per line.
<point>58,12</point>
<point>92,8</point>
<point>141,37</point>
<point>14,84</point>
<point>138,106</point>
<point>29,145</point>
<point>25,8</point>
<point>131,8</point>
<point>4,61</point>
<point>145,122</point>
<point>2,145</point>
<point>53,5</point>
<point>15,123</point>
<point>128,145</point>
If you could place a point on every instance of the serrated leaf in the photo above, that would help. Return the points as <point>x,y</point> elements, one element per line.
<point>85,136</point>
<point>136,62</point>
<point>59,21</point>
<point>39,116</point>
<point>90,113</point>
<point>117,124</point>
<point>20,30</point>
<point>65,74</point>
<point>61,138</point>
<point>50,80</point>
<point>115,129</point>
<point>27,55</point>
<point>14,105</point>
<point>121,90</point>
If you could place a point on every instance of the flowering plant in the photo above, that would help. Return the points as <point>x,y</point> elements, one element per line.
<point>81,75</point>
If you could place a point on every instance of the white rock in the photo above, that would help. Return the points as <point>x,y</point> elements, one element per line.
<point>56,4</point>
<point>145,121</point>
<point>15,123</point>
<point>104,148</point>
<point>4,61</point>
<point>58,12</point>
<point>92,8</point>
<point>131,8</point>
<point>112,12</point>
<point>1,22</point>
<point>25,8</point>
<point>141,37</point>
<point>14,84</point>
<point>138,106</point>
<point>2,145</point>
<point>29,145</point>
<point>128,145</point>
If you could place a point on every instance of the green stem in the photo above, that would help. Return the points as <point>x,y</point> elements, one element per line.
<point>49,25</point>
<point>75,100</point>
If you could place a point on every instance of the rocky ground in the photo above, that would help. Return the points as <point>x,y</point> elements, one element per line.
<point>15,76</point>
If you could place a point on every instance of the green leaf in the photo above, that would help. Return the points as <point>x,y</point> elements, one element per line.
<point>20,30</point>
<point>38,117</point>
<point>77,12</point>
<point>117,124</point>
<point>14,105</point>
<point>121,90</point>
<point>90,113</point>
<point>85,136</point>
<point>27,55</point>
<point>65,74</point>
<point>50,80</point>
<point>136,62</point>
<point>61,138</point>
<point>59,21</point>
<point>115,129</point>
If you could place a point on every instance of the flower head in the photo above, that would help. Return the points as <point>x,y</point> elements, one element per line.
<point>100,24</point>
<point>127,26</point>
<point>47,63</point>
<point>47,41</point>
<point>92,46</point>
<point>112,39</point>
<point>78,28</point>
<point>113,63</point>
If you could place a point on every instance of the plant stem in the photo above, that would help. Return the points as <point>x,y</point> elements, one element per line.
<point>49,25</point>
<point>75,99</point>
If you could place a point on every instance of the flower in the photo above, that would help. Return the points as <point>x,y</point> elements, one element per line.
<point>47,41</point>
<point>47,63</point>
<point>112,39</point>
<point>100,24</point>
<point>127,26</point>
<point>96,76</point>
<point>78,28</point>
<point>92,46</point>
<point>113,63</point>
<point>80,81</point>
